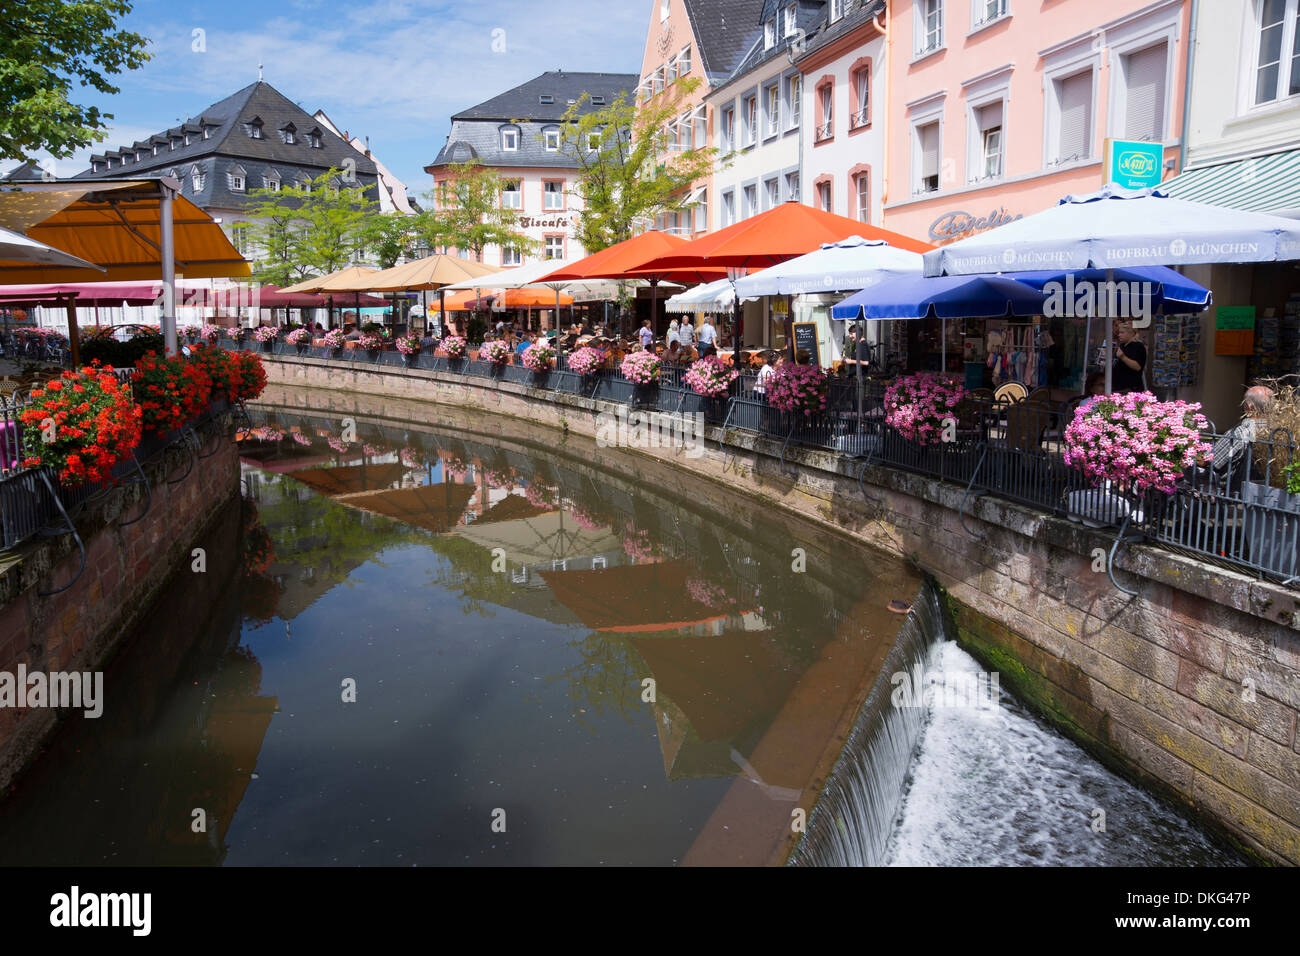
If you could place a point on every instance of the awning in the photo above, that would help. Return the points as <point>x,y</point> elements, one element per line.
<point>114,225</point>
<point>718,296</point>
<point>1259,184</point>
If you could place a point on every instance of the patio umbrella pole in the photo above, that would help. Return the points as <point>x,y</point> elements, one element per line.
<point>943,346</point>
<point>1110,331</point>
<point>857,363</point>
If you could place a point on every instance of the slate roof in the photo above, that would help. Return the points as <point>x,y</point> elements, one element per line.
<point>856,12</point>
<point>724,32</point>
<point>229,145</point>
<point>810,18</point>
<point>476,132</point>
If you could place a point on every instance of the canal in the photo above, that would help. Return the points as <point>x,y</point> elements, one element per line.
<point>414,645</point>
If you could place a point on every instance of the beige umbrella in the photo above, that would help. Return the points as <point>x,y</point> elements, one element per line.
<point>351,279</point>
<point>427,274</point>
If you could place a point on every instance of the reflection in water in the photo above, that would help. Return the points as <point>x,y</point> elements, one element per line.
<point>630,678</point>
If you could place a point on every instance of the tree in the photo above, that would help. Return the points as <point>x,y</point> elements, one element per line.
<point>308,230</point>
<point>627,173</point>
<point>466,213</point>
<point>45,45</point>
<point>390,236</point>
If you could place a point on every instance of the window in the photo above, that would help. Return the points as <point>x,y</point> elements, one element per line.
<point>254,131</point>
<point>171,143</point>
<point>729,128</point>
<point>593,142</point>
<point>198,178</point>
<point>792,187</point>
<point>986,11</point>
<point>315,140</point>
<point>987,162</point>
<point>512,194</point>
<point>552,140</point>
<point>1144,93</point>
<point>929,25</point>
<point>771,193</point>
<point>94,167</point>
<point>728,208</point>
<point>927,143</point>
<point>862,187</point>
<point>187,139</point>
<point>861,98</point>
<point>554,247</point>
<point>598,101</point>
<point>155,149</point>
<point>207,132</point>
<point>791,20</point>
<point>700,210</point>
<point>670,135</point>
<point>751,120</point>
<point>751,201</point>
<point>773,96</point>
<point>304,186</point>
<point>672,73</point>
<point>659,80</point>
<point>824,197</point>
<point>510,140</point>
<point>826,107</point>
<point>837,10</point>
<point>769,34</point>
<point>1072,96</point>
<point>794,94</point>
<point>290,134</point>
<point>510,256</point>
<point>1277,60</point>
<point>546,99</point>
<point>701,127</point>
<point>665,7</point>
<point>271,182</point>
<point>553,195</point>
<point>686,132</point>
<point>239,238</point>
<point>684,61</point>
<point>238,181</point>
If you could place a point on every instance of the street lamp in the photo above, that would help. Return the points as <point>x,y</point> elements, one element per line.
<point>734,274</point>
<point>423,252</point>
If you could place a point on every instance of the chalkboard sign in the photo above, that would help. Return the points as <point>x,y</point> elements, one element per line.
<point>805,340</point>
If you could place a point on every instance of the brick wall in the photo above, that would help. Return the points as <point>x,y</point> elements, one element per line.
<point>126,569</point>
<point>1192,687</point>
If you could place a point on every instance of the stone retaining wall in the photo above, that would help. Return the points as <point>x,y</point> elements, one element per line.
<point>1191,687</point>
<point>126,568</point>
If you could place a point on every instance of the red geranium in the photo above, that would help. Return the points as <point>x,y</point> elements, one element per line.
<point>248,376</point>
<point>90,421</point>
<point>170,391</point>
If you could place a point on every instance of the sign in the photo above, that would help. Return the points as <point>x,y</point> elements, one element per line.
<point>957,223</point>
<point>1135,165</point>
<point>806,340</point>
<point>1234,330</point>
<point>530,222</point>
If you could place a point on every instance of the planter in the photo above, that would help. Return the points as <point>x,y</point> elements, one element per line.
<point>374,354</point>
<point>267,346</point>
<point>644,396</point>
<point>1272,528</point>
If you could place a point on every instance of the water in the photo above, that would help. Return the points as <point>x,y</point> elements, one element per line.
<point>414,646</point>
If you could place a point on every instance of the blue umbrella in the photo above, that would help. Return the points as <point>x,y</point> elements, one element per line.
<point>944,297</point>
<point>1170,291</point>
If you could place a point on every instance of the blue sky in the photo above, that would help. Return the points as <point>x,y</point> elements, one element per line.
<point>393,70</point>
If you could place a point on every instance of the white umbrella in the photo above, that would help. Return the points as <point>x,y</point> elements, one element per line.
<point>853,264</point>
<point>716,296</point>
<point>1116,228</point>
<point>16,247</point>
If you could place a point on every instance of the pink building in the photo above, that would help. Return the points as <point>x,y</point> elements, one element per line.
<point>998,108</point>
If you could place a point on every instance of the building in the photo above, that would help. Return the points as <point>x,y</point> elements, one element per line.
<point>518,135</point>
<point>253,139</point>
<point>759,112</point>
<point>705,40</point>
<point>844,125</point>
<point>1243,150</point>
<point>393,194</point>
<point>998,108</point>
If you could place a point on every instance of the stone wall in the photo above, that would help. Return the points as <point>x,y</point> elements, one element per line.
<point>127,566</point>
<point>1191,687</point>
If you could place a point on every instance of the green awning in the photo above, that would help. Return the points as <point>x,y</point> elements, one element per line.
<point>1259,184</point>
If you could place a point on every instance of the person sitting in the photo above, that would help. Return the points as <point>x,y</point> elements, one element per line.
<point>1231,459</point>
<point>525,343</point>
<point>1095,385</point>
<point>353,334</point>
<point>429,342</point>
<point>674,351</point>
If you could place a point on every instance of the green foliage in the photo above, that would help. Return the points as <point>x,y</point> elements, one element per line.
<point>465,213</point>
<point>45,47</point>
<point>301,232</point>
<point>630,176</point>
<point>1292,472</point>
<point>117,354</point>
<point>475,330</point>
<point>391,236</point>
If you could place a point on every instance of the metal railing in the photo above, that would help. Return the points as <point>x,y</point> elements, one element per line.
<point>1013,450</point>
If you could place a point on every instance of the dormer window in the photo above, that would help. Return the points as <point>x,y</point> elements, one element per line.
<point>546,99</point>
<point>255,129</point>
<point>171,145</point>
<point>155,149</point>
<point>551,138</point>
<point>510,139</point>
<point>290,134</point>
<point>207,132</point>
<point>238,180</point>
<point>271,181</point>
<point>197,178</point>
<point>769,34</point>
<point>304,186</point>
<point>94,167</point>
<point>187,139</point>
<point>314,139</point>
<point>598,101</point>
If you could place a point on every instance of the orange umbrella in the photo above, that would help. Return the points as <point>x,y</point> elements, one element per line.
<point>456,302</point>
<point>522,299</point>
<point>783,232</point>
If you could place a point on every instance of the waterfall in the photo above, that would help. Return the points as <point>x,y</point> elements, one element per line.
<point>854,817</point>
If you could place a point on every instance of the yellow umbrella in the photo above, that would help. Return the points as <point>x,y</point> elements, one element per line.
<point>428,274</point>
<point>352,279</point>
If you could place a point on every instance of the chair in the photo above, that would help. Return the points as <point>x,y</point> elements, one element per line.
<point>1009,393</point>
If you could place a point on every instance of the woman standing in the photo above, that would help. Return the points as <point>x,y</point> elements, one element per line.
<point>673,335</point>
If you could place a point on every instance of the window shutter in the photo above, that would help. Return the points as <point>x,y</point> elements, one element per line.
<point>1144,117</point>
<point>929,150</point>
<point>990,116</point>
<point>1076,116</point>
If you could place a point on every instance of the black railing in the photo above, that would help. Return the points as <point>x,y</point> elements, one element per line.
<point>1013,450</point>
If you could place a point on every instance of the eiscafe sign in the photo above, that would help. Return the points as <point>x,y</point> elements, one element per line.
<point>557,222</point>
<point>957,223</point>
